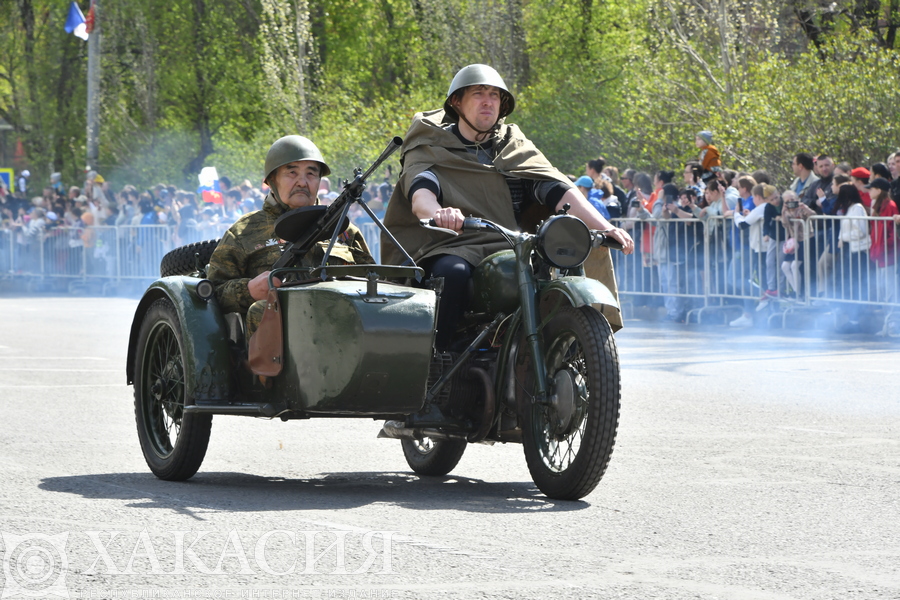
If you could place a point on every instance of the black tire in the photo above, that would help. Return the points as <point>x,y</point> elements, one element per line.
<point>173,442</point>
<point>183,261</point>
<point>568,446</point>
<point>433,458</point>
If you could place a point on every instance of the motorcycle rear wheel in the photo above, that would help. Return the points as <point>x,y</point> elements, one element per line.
<point>433,458</point>
<point>568,445</point>
<point>173,442</point>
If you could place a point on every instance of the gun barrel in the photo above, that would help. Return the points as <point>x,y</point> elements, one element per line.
<point>392,147</point>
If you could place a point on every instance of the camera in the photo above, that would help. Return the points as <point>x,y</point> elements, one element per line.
<point>792,204</point>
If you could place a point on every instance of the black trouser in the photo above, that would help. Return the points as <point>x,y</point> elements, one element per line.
<point>457,274</point>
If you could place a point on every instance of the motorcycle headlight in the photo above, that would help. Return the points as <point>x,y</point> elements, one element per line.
<point>564,241</point>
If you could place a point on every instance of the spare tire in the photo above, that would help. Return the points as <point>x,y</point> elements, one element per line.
<point>183,260</point>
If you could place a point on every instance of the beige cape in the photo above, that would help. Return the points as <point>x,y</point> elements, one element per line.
<point>477,190</point>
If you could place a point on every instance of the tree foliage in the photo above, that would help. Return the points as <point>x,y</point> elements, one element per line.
<point>189,83</point>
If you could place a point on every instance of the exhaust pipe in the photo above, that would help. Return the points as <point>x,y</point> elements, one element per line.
<point>397,431</point>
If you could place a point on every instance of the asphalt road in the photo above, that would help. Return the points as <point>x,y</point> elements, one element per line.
<point>747,466</point>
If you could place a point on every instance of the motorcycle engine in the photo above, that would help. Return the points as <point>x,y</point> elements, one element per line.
<point>463,396</point>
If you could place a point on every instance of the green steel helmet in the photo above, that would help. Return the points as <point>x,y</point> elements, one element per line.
<point>480,75</point>
<point>292,148</point>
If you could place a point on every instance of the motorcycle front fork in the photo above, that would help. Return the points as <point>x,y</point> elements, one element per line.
<point>528,300</point>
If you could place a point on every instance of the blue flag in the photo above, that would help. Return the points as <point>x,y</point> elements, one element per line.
<point>75,22</point>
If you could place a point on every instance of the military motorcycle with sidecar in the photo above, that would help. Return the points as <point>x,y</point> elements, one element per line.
<point>534,360</point>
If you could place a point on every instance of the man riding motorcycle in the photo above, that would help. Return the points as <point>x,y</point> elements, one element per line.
<point>463,160</point>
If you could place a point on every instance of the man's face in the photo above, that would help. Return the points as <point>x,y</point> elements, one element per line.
<point>795,167</point>
<point>689,175</point>
<point>626,183</point>
<point>825,166</point>
<point>297,183</point>
<point>480,105</point>
<point>894,166</point>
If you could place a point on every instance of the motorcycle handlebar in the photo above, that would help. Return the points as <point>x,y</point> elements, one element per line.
<point>469,224</point>
<point>600,238</point>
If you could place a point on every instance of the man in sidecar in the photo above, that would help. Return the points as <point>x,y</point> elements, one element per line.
<point>240,265</point>
<point>463,160</point>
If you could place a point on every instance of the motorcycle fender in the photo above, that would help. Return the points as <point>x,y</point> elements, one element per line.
<point>203,328</point>
<point>580,291</point>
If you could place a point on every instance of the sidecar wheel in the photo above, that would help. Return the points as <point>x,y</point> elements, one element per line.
<point>173,442</point>
<point>568,445</point>
<point>433,457</point>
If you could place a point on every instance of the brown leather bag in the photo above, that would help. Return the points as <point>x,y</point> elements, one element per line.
<point>267,343</point>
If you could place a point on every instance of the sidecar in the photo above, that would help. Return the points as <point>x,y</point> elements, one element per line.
<point>354,345</point>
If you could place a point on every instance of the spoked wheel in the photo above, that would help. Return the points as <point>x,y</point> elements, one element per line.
<point>174,442</point>
<point>433,457</point>
<point>569,442</point>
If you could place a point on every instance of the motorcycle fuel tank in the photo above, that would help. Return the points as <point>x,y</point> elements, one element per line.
<point>496,285</point>
<point>349,352</point>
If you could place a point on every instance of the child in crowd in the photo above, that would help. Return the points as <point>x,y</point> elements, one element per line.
<point>793,219</point>
<point>762,237</point>
<point>585,185</point>
<point>710,161</point>
<point>883,251</point>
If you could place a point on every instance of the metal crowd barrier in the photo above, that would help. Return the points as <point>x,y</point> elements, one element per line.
<point>108,253</point>
<point>693,267</point>
<point>861,271</point>
<point>720,267</point>
<point>668,263</point>
<point>372,234</point>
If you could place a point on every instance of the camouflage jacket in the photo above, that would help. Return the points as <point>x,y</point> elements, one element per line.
<point>250,248</point>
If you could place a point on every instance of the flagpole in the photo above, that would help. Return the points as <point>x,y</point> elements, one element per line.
<point>93,91</point>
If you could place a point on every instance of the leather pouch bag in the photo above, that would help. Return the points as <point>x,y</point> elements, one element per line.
<point>266,352</point>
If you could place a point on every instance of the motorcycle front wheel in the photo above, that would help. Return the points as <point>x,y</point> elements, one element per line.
<point>568,442</point>
<point>173,442</point>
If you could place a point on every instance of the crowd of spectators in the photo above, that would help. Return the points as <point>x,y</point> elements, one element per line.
<point>842,218</point>
<point>158,219</point>
<point>757,235</point>
<point>96,204</point>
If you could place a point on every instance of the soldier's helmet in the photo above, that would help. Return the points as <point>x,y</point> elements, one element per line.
<point>479,75</point>
<point>292,148</point>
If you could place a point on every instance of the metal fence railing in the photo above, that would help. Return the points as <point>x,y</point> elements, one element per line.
<point>372,234</point>
<point>694,267</point>
<point>711,265</point>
